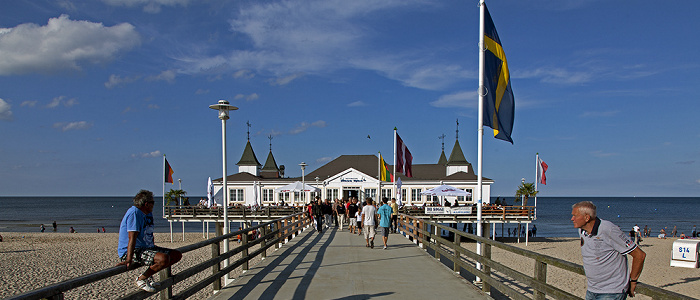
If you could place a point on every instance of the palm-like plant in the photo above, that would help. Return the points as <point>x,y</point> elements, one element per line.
<point>173,196</point>
<point>525,191</point>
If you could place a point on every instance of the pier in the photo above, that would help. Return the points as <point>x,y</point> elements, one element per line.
<point>298,263</point>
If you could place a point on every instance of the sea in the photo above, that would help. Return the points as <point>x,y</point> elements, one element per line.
<point>87,214</point>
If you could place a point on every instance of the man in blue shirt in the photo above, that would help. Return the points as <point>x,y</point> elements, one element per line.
<point>384,220</point>
<point>136,242</point>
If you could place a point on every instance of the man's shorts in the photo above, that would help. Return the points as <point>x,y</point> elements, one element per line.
<point>144,256</point>
<point>369,231</point>
<point>384,231</point>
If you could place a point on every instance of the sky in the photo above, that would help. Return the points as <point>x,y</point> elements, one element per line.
<point>94,93</point>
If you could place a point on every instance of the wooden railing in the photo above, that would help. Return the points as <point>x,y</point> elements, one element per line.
<point>427,235</point>
<point>272,234</point>
<point>186,211</point>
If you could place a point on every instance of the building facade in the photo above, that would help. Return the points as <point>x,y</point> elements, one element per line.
<point>349,176</point>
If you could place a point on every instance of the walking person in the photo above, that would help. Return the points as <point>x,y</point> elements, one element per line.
<point>394,215</point>
<point>317,210</point>
<point>351,212</point>
<point>385,212</point>
<point>604,249</point>
<point>368,221</point>
<point>340,210</point>
<point>327,213</point>
<point>136,242</point>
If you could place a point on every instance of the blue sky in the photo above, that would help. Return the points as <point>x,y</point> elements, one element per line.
<point>93,93</point>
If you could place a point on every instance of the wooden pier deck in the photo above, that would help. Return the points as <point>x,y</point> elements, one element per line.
<point>336,265</point>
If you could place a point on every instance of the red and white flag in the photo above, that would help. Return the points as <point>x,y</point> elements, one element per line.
<point>404,159</point>
<point>541,169</point>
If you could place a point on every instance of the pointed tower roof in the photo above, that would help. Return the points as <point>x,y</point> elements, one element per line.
<point>270,164</point>
<point>248,158</point>
<point>443,159</point>
<point>457,156</point>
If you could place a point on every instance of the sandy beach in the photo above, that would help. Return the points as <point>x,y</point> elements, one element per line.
<point>33,260</point>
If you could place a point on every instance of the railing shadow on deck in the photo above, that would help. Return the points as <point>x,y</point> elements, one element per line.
<point>271,234</point>
<point>426,235</point>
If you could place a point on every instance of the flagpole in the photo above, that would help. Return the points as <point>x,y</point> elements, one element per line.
<point>537,180</point>
<point>480,133</point>
<point>395,150</point>
<point>163,185</point>
<point>379,171</point>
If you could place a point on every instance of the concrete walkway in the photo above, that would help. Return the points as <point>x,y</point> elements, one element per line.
<point>337,265</point>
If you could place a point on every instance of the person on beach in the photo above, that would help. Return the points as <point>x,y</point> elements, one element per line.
<point>368,221</point>
<point>604,248</point>
<point>394,215</point>
<point>71,230</point>
<point>385,213</point>
<point>54,226</point>
<point>136,244</point>
<point>42,228</point>
<point>674,232</point>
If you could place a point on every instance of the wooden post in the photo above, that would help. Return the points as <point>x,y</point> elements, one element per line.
<point>486,253</point>
<point>278,242</point>
<point>244,253</point>
<point>167,293</point>
<point>436,235</point>
<point>215,252</point>
<point>541,276</point>
<point>263,234</point>
<point>458,256</point>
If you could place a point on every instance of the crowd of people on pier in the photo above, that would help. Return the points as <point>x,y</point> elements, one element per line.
<point>362,217</point>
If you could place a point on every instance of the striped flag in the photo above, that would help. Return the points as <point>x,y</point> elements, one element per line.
<point>404,159</point>
<point>168,172</point>
<point>541,169</point>
<point>499,103</point>
<point>384,173</point>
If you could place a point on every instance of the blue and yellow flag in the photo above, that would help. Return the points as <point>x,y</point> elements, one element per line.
<point>499,104</point>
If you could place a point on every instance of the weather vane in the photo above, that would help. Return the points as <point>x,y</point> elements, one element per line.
<point>442,137</point>
<point>457,129</point>
<point>270,137</point>
<point>247,123</point>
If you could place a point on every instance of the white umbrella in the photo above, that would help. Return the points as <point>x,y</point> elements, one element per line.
<point>446,190</point>
<point>297,187</point>
<point>210,191</point>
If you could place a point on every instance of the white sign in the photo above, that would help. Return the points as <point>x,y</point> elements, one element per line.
<point>352,179</point>
<point>685,253</point>
<point>442,210</point>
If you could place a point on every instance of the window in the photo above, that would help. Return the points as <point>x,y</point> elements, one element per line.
<point>268,195</point>
<point>284,197</point>
<point>403,195</point>
<point>416,196</point>
<point>386,193</point>
<point>463,199</point>
<point>236,196</point>
<point>332,194</point>
<point>372,193</point>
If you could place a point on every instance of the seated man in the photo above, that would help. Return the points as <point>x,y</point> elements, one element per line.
<point>136,242</point>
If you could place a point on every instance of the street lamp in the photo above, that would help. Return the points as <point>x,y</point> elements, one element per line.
<point>223,107</point>
<point>303,184</point>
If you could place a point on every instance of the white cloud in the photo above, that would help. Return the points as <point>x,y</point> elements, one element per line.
<point>5,111</point>
<point>245,74</point>
<point>55,102</point>
<point>168,76</point>
<point>463,99</point>
<point>147,155</point>
<point>149,6</point>
<point>556,75</point>
<point>305,126</point>
<point>62,44</point>
<point>319,37</point>
<point>251,97</point>
<point>357,104</point>
<point>29,103</point>
<point>285,80</point>
<point>72,125</point>
<point>115,80</point>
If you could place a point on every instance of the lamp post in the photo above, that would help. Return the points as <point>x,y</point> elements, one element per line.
<point>303,167</point>
<point>319,192</point>
<point>223,107</point>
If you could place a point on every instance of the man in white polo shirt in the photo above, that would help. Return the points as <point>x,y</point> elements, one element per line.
<point>604,248</point>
